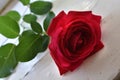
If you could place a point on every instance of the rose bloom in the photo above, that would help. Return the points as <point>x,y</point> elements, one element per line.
<point>74,37</point>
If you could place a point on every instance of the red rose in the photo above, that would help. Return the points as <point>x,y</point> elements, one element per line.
<point>74,37</point>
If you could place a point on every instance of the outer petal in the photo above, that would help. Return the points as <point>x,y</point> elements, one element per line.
<point>96,18</point>
<point>55,23</point>
<point>79,13</point>
<point>57,55</point>
<point>98,47</point>
<point>95,23</point>
<point>73,15</point>
<point>76,64</point>
<point>59,59</point>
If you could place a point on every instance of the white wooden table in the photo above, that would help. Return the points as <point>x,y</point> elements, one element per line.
<point>105,64</point>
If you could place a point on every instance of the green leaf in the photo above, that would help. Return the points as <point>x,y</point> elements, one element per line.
<point>25,2</point>
<point>29,18</point>
<point>30,44</point>
<point>40,7</point>
<point>9,27</point>
<point>44,43</point>
<point>14,15</point>
<point>48,19</point>
<point>36,27</point>
<point>7,60</point>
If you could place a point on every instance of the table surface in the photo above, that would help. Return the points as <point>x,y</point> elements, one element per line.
<point>105,64</point>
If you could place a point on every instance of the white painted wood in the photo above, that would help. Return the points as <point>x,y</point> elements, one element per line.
<point>3,3</point>
<point>104,65</point>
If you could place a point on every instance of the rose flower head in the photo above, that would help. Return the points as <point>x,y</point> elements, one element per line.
<point>74,37</point>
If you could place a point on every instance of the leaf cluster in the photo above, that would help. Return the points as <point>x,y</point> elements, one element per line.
<point>31,42</point>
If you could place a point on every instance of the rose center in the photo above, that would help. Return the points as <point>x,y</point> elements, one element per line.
<point>76,41</point>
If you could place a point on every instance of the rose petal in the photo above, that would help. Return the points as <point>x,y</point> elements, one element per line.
<point>54,24</point>
<point>98,47</point>
<point>79,13</point>
<point>96,18</point>
<point>73,15</point>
